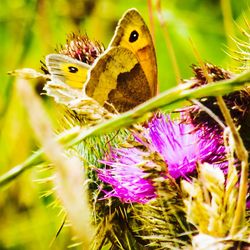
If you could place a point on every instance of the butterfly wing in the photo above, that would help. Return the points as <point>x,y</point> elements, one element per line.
<point>67,70</point>
<point>132,33</point>
<point>124,76</point>
<point>117,79</point>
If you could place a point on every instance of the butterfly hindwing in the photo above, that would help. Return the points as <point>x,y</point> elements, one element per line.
<point>117,79</point>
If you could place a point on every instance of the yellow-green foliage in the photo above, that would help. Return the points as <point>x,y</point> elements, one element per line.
<point>31,29</point>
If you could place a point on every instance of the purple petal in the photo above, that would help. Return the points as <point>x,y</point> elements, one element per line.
<point>179,145</point>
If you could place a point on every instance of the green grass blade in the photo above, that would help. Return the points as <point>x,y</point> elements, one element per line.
<point>169,99</point>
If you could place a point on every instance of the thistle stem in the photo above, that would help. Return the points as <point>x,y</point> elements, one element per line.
<point>33,160</point>
<point>242,155</point>
<point>169,43</point>
<point>228,21</point>
<point>170,99</point>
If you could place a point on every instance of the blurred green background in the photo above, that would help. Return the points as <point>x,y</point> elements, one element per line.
<point>31,29</point>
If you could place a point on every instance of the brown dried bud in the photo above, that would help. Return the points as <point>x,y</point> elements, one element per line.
<point>80,47</point>
<point>238,103</point>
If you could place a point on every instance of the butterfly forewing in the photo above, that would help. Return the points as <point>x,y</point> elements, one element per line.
<point>133,34</point>
<point>67,70</point>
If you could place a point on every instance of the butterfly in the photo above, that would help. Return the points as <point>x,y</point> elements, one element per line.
<point>122,77</point>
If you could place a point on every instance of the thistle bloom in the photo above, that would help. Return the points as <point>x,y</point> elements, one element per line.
<point>128,180</point>
<point>179,146</point>
<point>182,147</point>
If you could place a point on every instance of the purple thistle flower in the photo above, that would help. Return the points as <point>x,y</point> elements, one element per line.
<point>179,146</point>
<point>182,147</point>
<point>126,177</point>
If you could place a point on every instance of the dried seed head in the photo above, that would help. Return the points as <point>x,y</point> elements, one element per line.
<point>211,71</point>
<point>80,47</point>
<point>237,102</point>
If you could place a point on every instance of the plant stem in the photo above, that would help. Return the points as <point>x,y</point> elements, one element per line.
<point>170,99</point>
<point>242,155</point>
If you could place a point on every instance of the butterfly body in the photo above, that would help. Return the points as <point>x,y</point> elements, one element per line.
<point>124,76</point>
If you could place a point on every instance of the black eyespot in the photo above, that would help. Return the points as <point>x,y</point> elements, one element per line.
<point>133,36</point>
<point>72,69</point>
